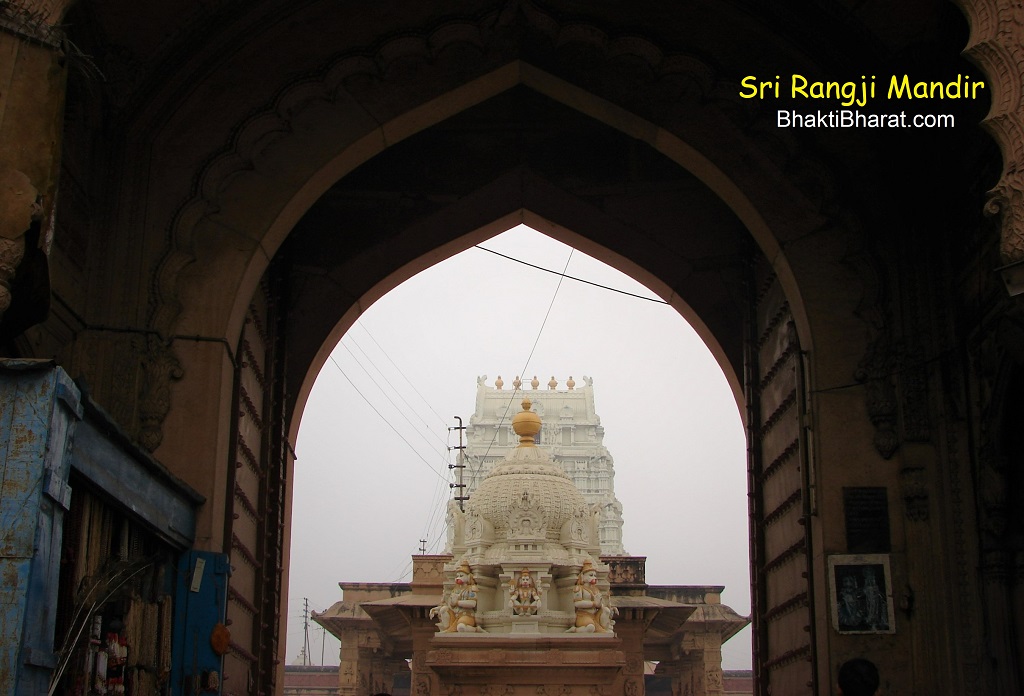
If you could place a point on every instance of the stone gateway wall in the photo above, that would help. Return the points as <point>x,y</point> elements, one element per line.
<point>157,160</point>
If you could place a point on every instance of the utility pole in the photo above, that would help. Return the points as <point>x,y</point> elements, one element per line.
<point>461,466</point>
<point>323,644</point>
<point>305,631</point>
<point>423,547</point>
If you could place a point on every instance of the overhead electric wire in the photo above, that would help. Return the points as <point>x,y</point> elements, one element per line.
<point>436,500</point>
<point>438,519</point>
<point>533,349</point>
<point>391,401</point>
<point>563,275</point>
<point>436,508</point>
<point>407,568</point>
<point>349,379</point>
<point>439,492</point>
<point>398,393</point>
<point>437,540</point>
<point>435,517</point>
<point>408,381</point>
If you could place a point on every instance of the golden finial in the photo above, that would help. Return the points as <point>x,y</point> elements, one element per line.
<point>517,382</point>
<point>552,383</point>
<point>526,423</point>
<point>498,384</point>
<point>535,382</point>
<point>570,383</point>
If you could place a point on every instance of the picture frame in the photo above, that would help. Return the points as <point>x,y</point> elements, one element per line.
<point>860,589</point>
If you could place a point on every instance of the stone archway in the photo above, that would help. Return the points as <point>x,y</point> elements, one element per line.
<point>234,178</point>
<point>249,198</point>
<point>252,197</point>
<point>355,276</point>
<point>208,200</point>
<point>185,308</point>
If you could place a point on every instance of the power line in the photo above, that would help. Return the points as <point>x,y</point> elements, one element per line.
<point>398,393</point>
<point>408,381</point>
<point>501,421</point>
<point>438,494</point>
<point>392,402</point>
<point>349,379</point>
<point>563,275</point>
<point>435,510</point>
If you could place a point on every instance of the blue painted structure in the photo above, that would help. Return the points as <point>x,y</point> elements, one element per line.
<point>49,427</point>
<point>200,603</point>
<point>39,410</point>
<point>110,461</point>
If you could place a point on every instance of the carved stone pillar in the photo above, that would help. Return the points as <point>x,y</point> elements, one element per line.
<point>365,656</point>
<point>698,671</point>
<point>632,634</point>
<point>348,654</point>
<point>711,664</point>
<point>424,681</point>
<point>364,672</point>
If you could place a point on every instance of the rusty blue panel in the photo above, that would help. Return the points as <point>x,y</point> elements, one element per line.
<point>200,605</point>
<point>38,411</point>
<point>167,506</point>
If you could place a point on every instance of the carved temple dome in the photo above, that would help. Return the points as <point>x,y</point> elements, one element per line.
<point>528,497</point>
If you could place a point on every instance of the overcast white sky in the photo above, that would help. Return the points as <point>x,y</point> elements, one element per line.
<point>367,486</point>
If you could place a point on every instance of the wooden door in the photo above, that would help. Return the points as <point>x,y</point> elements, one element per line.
<point>255,515</point>
<point>779,502</point>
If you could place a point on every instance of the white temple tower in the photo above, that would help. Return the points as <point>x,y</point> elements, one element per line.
<point>572,434</point>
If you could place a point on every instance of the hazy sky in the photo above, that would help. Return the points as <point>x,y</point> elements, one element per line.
<point>371,481</point>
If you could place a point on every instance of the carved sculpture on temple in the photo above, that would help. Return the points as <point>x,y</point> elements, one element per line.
<point>524,596</point>
<point>457,611</point>
<point>593,613</point>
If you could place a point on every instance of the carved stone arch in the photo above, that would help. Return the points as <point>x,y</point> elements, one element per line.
<point>246,168</point>
<point>730,164</point>
<point>538,204</point>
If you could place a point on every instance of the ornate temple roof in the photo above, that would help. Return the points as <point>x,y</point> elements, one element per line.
<point>527,506</point>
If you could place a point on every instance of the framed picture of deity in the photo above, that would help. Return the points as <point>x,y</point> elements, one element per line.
<point>860,588</point>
